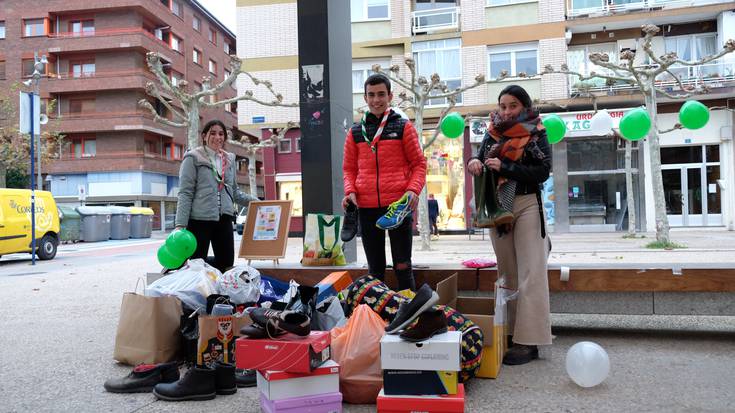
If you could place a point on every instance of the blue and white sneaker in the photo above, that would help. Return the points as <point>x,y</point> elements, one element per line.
<point>397,212</point>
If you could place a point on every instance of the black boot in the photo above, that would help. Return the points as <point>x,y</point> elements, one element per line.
<point>143,378</point>
<point>520,354</point>
<point>197,384</point>
<point>481,217</point>
<point>225,378</point>
<point>498,216</point>
<point>304,301</point>
<point>245,378</point>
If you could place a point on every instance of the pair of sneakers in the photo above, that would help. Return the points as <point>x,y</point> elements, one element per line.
<point>393,218</point>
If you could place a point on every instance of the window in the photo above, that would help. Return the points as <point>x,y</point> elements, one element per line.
<point>82,68</point>
<point>33,27</point>
<point>82,27</point>
<point>177,8</point>
<point>298,144</point>
<point>361,70</point>
<point>196,56</point>
<point>504,2</point>
<point>369,10</point>
<point>28,68</point>
<point>176,43</point>
<point>176,77</point>
<point>441,57</point>
<point>81,106</point>
<point>151,147</point>
<point>2,69</point>
<point>2,29</point>
<point>212,36</point>
<point>172,151</point>
<point>695,47</point>
<point>212,67</point>
<point>83,148</point>
<point>227,47</point>
<point>292,190</point>
<point>284,145</point>
<point>522,58</point>
<point>196,23</point>
<point>578,61</point>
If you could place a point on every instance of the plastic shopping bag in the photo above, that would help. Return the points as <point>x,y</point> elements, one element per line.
<point>192,284</point>
<point>330,314</point>
<point>241,283</point>
<point>356,347</point>
<point>322,241</point>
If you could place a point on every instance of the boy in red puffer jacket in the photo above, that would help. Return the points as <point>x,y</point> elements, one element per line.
<point>383,162</point>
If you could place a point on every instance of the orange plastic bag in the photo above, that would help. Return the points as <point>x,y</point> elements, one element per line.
<point>356,347</point>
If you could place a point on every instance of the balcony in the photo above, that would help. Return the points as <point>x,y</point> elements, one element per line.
<point>110,121</point>
<point>94,81</point>
<point>597,8</point>
<point>114,161</point>
<point>711,75</point>
<point>434,20</point>
<point>113,39</point>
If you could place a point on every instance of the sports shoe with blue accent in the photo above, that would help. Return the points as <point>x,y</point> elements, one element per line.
<point>397,212</point>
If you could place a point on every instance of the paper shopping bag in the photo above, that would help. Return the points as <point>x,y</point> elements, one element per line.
<point>148,330</point>
<point>322,242</point>
<point>217,335</point>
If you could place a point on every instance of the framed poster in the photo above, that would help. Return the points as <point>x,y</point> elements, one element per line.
<point>265,234</point>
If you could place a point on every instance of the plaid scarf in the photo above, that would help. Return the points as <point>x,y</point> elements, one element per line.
<point>511,137</point>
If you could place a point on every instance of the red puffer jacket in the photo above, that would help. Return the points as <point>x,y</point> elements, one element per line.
<point>398,165</point>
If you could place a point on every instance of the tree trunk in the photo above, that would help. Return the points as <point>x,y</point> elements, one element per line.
<point>662,222</point>
<point>192,132</point>
<point>630,198</point>
<point>251,174</point>
<point>3,174</point>
<point>423,222</point>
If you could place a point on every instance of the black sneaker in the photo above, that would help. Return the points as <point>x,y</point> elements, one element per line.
<point>245,378</point>
<point>520,354</point>
<point>431,322</point>
<point>349,229</point>
<point>199,383</point>
<point>292,321</point>
<point>407,312</point>
<point>143,378</point>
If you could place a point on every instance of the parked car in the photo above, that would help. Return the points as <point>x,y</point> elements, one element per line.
<point>15,223</point>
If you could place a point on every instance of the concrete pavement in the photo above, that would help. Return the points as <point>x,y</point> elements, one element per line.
<point>59,321</point>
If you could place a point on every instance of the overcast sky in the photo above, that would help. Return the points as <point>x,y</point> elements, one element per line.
<point>224,11</point>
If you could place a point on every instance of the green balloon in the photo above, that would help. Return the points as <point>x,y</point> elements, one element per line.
<point>168,260</point>
<point>181,244</point>
<point>452,126</point>
<point>635,124</point>
<point>555,128</point>
<point>693,114</point>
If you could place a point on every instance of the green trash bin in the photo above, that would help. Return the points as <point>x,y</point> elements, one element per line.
<point>71,224</point>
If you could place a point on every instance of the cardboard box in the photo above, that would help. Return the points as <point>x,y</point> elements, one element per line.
<point>288,353</point>
<point>434,404</point>
<point>482,311</point>
<point>332,284</point>
<point>441,352</point>
<point>419,382</point>
<point>321,403</point>
<point>277,385</point>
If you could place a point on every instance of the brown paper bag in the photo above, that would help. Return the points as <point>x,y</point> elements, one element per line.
<point>148,330</point>
<point>217,336</point>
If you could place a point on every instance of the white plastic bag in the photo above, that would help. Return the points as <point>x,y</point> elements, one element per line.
<point>330,314</point>
<point>192,284</point>
<point>241,283</point>
<point>293,289</point>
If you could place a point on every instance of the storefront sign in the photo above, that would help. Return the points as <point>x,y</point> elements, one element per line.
<point>579,123</point>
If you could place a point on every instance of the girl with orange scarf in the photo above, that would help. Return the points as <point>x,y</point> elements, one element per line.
<point>513,161</point>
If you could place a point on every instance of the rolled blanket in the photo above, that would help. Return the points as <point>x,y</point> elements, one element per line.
<point>384,301</point>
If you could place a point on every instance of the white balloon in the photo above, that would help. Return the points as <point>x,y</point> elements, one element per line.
<point>601,123</point>
<point>587,364</point>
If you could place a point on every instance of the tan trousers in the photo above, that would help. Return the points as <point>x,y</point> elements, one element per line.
<point>522,256</point>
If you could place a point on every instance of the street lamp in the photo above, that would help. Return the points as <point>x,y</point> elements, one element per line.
<point>38,68</point>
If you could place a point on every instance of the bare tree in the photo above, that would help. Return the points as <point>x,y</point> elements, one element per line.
<point>185,112</point>
<point>646,78</point>
<point>416,94</point>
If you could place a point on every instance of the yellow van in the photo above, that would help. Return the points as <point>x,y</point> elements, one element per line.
<point>15,223</point>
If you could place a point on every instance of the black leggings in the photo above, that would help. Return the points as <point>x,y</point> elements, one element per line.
<point>219,233</point>
<point>373,241</point>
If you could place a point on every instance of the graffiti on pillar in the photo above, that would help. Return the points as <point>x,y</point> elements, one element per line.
<point>312,78</point>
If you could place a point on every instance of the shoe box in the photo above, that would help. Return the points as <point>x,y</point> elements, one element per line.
<point>439,353</point>
<point>332,284</point>
<point>419,382</point>
<point>289,353</point>
<point>489,315</point>
<point>277,385</point>
<point>321,403</point>
<point>410,404</point>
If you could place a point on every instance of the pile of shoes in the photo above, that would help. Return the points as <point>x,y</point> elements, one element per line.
<point>430,322</point>
<point>295,318</point>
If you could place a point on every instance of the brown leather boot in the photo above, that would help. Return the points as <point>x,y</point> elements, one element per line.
<point>431,322</point>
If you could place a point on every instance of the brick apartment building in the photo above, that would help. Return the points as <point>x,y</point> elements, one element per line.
<point>460,39</point>
<point>97,73</point>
